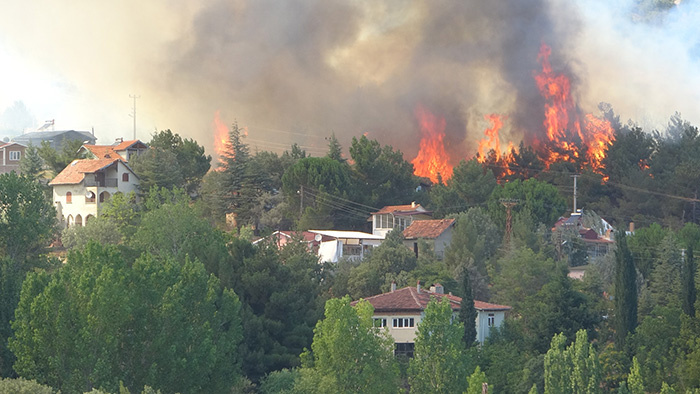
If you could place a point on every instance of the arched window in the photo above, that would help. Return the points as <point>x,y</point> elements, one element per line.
<point>78,220</point>
<point>90,196</point>
<point>104,196</point>
<point>88,218</point>
<point>69,221</point>
<point>69,198</point>
<point>125,177</point>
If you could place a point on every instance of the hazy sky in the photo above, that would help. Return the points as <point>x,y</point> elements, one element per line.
<point>297,70</point>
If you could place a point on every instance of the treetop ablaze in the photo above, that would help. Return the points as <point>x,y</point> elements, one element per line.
<point>569,135</point>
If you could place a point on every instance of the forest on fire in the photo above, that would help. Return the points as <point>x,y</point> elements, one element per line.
<point>162,292</point>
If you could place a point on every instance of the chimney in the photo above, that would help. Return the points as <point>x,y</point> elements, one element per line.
<point>632,227</point>
<point>393,286</point>
<point>413,204</point>
<point>418,287</point>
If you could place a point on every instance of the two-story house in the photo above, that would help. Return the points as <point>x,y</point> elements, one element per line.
<point>397,216</point>
<point>402,310</point>
<point>10,155</point>
<point>436,232</point>
<point>335,245</point>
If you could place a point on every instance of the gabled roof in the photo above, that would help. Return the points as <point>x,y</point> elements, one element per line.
<point>75,172</point>
<point>306,236</point>
<point>128,144</point>
<point>428,229</point>
<point>111,151</point>
<point>409,299</point>
<point>8,144</point>
<point>408,209</point>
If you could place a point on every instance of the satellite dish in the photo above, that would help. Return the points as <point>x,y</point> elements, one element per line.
<point>318,237</point>
<point>90,194</point>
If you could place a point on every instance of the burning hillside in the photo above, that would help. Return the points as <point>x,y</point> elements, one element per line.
<point>567,134</point>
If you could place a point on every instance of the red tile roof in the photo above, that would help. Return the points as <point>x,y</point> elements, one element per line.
<point>428,229</point>
<point>401,209</point>
<point>110,151</point>
<point>408,299</point>
<point>75,171</point>
<point>124,145</point>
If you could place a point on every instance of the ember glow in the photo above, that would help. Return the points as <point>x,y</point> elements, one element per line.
<point>220,135</point>
<point>432,158</point>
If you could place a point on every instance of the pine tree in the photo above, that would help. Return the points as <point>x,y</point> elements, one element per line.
<point>467,311</point>
<point>625,292</point>
<point>31,163</point>
<point>239,181</point>
<point>689,293</point>
<point>335,151</point>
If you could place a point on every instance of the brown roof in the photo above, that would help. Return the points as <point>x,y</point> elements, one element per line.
<point>408,299</point>
<point>75,171</point>
<point>427,228</point>
<point>110,151</point>
<point>126,144</point>
<point>402,209</point>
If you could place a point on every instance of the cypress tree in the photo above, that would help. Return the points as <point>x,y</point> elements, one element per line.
<point>625,292</point>
<point>688,296</point>
<point>467,311</point>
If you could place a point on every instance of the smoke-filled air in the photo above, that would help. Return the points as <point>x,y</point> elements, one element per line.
<point>463,77</point>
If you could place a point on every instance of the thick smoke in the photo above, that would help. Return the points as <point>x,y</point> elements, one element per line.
<point>299,70</point>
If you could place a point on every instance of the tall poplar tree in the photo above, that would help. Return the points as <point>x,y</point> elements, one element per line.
<point>688,277</point>
<point>625,291</point>
<point>467,311</point>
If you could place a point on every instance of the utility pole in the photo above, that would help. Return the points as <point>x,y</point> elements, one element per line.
<point>509,204</point>
<point>301,201</point>
<point>133,114</point>
<point>575,176</point>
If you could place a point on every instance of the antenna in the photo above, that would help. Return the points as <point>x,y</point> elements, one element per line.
<point>133,114</point>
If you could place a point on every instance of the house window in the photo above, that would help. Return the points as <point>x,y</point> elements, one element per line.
<point>90,196</point>
<point>352,250</point>
<point>104,196</point>
<point>491,320</point>
<point>402,322</point>
<point>125,177</point>
<point>15,155</point>
<point>69,198</point>
<point>385,221</point>
<point>403,349</point>
<point>380,322</point>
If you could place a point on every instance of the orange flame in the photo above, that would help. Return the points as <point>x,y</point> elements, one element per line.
<point>220,135</point>
<point>562,125</point>
<point>492,140</point>
<point>432,160</point>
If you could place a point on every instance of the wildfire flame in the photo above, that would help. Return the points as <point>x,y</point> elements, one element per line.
<point>220,135</point>
<point>562,124</point>
<point>432,160</point>
<point>492,140</point>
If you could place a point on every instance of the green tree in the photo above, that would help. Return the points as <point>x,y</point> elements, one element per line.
<point>349,354</point>
<point>519,274</point>
<point>542,199</point>
<point>382,175</point>
<point>31,163</point>
<point>27,217</point>
<point>122,210</point>
<point>471,185</point>
<point>23,386</point>
<point>439,364</point>
<point>99,321</point>
<point>625,292</point>
<point>193,163</point>
<point>634,379</point>
<point>157,168</point>
<point>476,381</point>
<point>574,369</point>
<point>58,159</point>
<point>688,294</point>
<point>335,150</point>
<point>101,230</point>
<point>467,311</point>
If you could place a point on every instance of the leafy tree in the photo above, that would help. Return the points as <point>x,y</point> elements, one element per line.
<point>625,292</point>
<point>645,245</point>
<point>349,354</point>
<point>101,230</point>
<point>57,160</point>
<point>467,311</point>
<point>574,369</point>
<point>476,382</point>
<point>27,217</point>
<point>634,380</point>
<point>157,168</point>
<point>542,199</point>
<point>470,185</point>
<point>122,210</point>
<point>31,163</point>
<point>688,294</point>
<point>439,363</point>
<point>99,321</point>
<point>382,175</point>
<point>192,162</point>
<point>520,274</point>
<point>23,386</point>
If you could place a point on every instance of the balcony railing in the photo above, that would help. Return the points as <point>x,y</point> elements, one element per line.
<point>110,182</point>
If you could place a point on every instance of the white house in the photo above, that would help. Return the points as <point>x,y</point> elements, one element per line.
<point>401,311</point>
<point>84,185</point>
<point>436,232</point>
<point>397,216</point>
<point>337,244</point>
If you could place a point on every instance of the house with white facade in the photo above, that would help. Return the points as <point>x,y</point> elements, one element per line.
<point>84,185</point>
<point>397,216</point>
<point>437,233</point>
<point>334,245</point>
<point>402,310</point>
